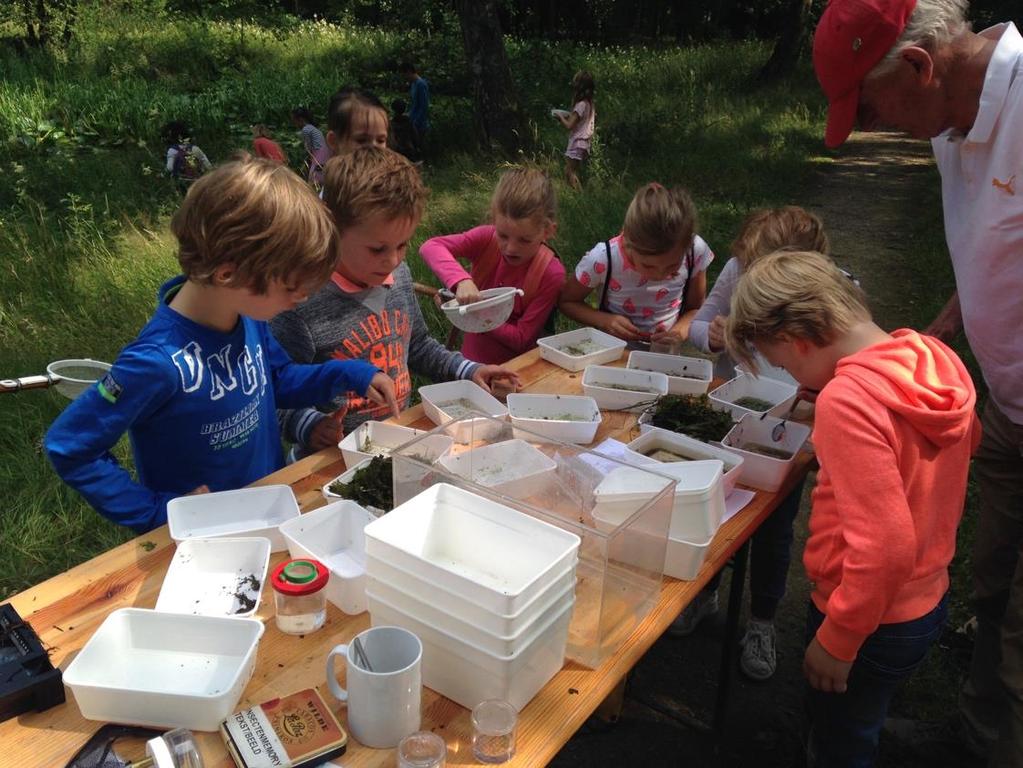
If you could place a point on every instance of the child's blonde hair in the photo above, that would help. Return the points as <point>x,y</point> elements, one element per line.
<point>525,193</point>
<point>799,294</point>
<point>261,130</point>
<point>260,218</point>
<point>658,219</point>
<point>370,182</point>
<point>771,229</point>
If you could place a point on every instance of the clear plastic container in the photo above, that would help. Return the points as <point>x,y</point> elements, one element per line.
<point>422,749</point>
<point>300,596</point>
<point>493,731</point>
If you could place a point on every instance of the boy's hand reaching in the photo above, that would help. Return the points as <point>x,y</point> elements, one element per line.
<point>381,390</point>
<point>329,431</point>
<point>823,671</point>
<point>467,292</point>
<point>487,375</point>
<point>716,334</point>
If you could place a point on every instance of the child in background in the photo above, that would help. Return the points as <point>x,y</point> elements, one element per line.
<point>198,390</point>
<point>185,161</point>
<point>263,145</point>
<point>316,149</point>
<point>355,118</point>
<point>369,310</point>
<point>402,137</point>
<point>580,125</point>
<point>510,252</point>
<point>419,101</point>
<point>894,431</point>
<point>762,233</point>
<point>652,277</point>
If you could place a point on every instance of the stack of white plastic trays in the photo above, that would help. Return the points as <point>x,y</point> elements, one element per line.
<point>487,589</point>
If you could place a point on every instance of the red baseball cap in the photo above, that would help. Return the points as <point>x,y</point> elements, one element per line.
<point>851,38</point>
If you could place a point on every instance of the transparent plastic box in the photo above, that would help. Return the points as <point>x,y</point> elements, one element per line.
<point>619,573</point>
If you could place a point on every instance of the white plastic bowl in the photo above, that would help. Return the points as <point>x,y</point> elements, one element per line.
<point>686,375</point>
<point>605,348</point>
<point>567,418</point>
<point>244,512</point>
<point>491,311</point>
<point>778,393</point>
<point>509,467</point>
<point>333,534</point>
<point>374,438</point>
<point>684,559</point>
<point>604,384</point>
<point>164,670</point>
<point>215,577</point>
<point>485,552</point>
<point>437,400</point>
<point>759,471</point>
<point>655,437</point>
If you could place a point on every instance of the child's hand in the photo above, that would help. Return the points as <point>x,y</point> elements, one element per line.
<point>467,292</point>
<point>823,671</point>
<point>381,390</point>
<point>622,327</point>
<point>486,375</point>
<point>716,334</point>
<point>669,336</point>
<point>329,431</point>
<point>199,491</point>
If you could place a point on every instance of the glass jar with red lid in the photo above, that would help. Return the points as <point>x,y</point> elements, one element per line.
<point>300,596</point>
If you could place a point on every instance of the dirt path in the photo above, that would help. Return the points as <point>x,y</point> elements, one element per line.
<point>866,198</point>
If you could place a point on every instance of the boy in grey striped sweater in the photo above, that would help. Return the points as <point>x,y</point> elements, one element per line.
<point>368,310</point>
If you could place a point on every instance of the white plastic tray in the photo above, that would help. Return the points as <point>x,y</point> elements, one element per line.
<point>164,670</point>
<point>759,471</point>
<point>780,394</point>
<point>436,395</point>
<point>215,577</point>
<point>607,348</point>
<point>489,554</point>
<point>510,466</point>
<point>333,534</point>
<point>381,436</point>
<point>679,370</point>
<point>655,437</point>
<point>467,674</point>
<point>245,512</point>
<point>600,382</point>
<point>684,559</point>
<point>546,415</point>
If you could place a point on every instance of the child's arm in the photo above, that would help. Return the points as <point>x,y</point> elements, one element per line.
<point>304,426</point>
<point>80,441</point>
<point>442,253</point>
<point>573,304</point>
<point>696,290</point>
<point>718,304</point>
<point>172,152</point>
<point>876,522</point>
<point>570,121</point>
<point>428,357</point>
<point>521,334</point>
<point>204,161</point>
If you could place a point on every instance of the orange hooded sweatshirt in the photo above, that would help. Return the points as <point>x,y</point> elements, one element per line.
<point>894,432</point>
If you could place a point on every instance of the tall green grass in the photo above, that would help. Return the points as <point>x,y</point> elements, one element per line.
<point>83,213</point>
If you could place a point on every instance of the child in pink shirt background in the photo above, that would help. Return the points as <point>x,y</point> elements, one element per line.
<point>651,279</point>
<point>580,124</point>
<point>510,252</point>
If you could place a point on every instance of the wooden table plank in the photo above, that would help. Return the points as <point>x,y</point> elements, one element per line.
<point>66,610</point>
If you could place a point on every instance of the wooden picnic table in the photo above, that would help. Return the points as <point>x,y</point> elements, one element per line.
<point>66,609</point>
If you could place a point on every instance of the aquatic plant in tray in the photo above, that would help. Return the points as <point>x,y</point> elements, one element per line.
<point>370,486</point>
<point>691,415</point>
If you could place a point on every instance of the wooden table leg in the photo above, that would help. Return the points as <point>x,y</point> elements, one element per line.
<point>730,644</point>
<point>610,709</point>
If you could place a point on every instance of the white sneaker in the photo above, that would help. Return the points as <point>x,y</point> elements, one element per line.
<point>758,660</point>
<point>703,605</point>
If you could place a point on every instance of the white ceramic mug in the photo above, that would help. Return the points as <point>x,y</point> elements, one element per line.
<point>384,701</point>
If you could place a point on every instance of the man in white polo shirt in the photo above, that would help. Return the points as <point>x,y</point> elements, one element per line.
<point>914,65</point>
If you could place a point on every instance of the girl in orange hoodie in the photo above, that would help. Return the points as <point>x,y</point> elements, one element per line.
<point>894,431</point>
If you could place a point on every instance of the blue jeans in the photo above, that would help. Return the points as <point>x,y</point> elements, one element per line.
<point>845,726</point>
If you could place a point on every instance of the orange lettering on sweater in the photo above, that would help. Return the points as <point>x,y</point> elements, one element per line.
<point>1009,187</point>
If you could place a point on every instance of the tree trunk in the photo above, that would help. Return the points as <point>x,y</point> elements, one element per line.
<point>790,42</point>
<point>496,115</point>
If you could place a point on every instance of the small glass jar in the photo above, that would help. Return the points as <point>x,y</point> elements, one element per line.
<point>493,731</point>
<point>300,596</point>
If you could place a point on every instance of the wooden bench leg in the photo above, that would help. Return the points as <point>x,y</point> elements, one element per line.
<point>610,709</point>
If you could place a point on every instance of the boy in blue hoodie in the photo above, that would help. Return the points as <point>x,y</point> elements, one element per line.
<point>198,390</point>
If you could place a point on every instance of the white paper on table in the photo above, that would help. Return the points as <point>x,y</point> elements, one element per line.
<point>735,502</point>
<point>614,449</point>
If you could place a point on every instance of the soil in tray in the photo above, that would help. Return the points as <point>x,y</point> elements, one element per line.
<point>563,417</point>
<point>456,409</point>
<point>628,388</point>
<point>581,348</point>
<point>754,404</point>
<point>766,450</point>
<point>677,374</point>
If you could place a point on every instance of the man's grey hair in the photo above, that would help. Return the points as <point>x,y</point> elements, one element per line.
<point>933,23</point>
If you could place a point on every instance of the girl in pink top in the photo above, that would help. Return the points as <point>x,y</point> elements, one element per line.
<point>510,252</point>
<point>651,279</point>
<point>580,124</point>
